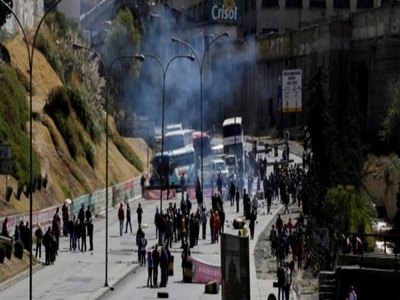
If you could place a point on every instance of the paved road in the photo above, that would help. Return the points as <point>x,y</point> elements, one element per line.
<point>81,275</point>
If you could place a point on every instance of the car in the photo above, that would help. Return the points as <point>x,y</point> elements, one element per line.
<point>212,168</point>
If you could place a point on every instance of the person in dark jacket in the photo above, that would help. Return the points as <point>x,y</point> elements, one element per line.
<point>139,212</point>
<point>72,234</point>
<point>89,225</point>
<point>128,218</point>
<point>156,262</point>
<point>47,245</point>
<point>83,236</point>
<point>139,236</point>
<point>164,259</point>
<point>39,236</point>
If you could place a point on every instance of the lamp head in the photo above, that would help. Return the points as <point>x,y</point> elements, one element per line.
<point>191,57</point>
<point>139,57</point>
<point>174,39</point>
<point>226,33</point>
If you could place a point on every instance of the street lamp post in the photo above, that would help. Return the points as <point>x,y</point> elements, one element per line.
<point>201,64</point>
<point>80,47</point>
<point>164,70</point>
<point>30,51</point>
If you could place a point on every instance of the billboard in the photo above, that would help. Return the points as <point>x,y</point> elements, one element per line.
<point>225,11</point>
<point>235,267</point>
<point>291,90</point>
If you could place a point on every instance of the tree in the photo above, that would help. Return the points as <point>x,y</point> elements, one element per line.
<point>5,12</point>
<point>122,39</point>
<point>390,127</point>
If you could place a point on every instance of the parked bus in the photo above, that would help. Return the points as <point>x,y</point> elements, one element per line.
<point>233,141</point>
<point>178,139</point>
<point>198,138</point>
<point>173,164</point>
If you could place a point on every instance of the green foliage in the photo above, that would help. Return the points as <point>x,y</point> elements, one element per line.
<point>2,253</point>
<point>86,111</point>
<point>19,190</point>
<point>389,132</point>
<point>122,40</point>
<point>18,249</point>
<point>392,170</point>
<point>9,193</point>
<point>127,151</point>
<point>90,151</point>
<point>9,248</point>
<point>14,115</point>
<point>59,109</point>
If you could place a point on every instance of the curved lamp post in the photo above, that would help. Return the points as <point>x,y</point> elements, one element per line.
<point>142,57</point>
<point>30,50</point>
<point>201,64</point>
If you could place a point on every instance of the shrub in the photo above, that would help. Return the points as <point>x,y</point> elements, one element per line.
<point>90,151</point>
<point>39,182</point>
<point>44,181</point>
<point>19,190</point>
<point>18,249</point>
<point>8,247</point>
<point>9,193</point>
<point>2,253</point>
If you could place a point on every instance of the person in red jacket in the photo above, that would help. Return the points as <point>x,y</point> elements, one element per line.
<point>121,217</point>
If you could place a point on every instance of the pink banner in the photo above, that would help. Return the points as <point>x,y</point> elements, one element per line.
<point>204,272</point>
<point>155,194</point>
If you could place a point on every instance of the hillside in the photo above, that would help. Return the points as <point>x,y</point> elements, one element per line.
<point>66,177</point>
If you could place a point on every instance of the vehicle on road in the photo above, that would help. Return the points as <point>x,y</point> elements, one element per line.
<point>178,139</point>
<point>231,164</point>
<point>172,164</point>
<point>233,141</point>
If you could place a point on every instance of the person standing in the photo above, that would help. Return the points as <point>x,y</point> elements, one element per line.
<point>232,190</point>
<point>183,185</point>
<point>83,236</point>
<point>139,212</point>
<point>164,267</point>
<point>203,221</point>
<point>149,268</point>
<point>252,224</point>
<point>142,184</point>
<point>90,233</point>
<point>139,235</point>
<point>65,218</point>
<point>185,256</point>
<point>56,228</point>
<point>352,295</point>
<point>47,245</point>
<point>72,234</point>
<point>88,214</point>
<point>288,276</point>
<point>237,197</point>
<point>39,236</point>
<point>281,282</point>
<point>121,217</point>
<point>128,218</point>
<point>156,262</point>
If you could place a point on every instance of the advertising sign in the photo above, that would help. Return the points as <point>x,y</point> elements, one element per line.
<point>235,267</point>
<point>225,11</point>
<point>291,90</point>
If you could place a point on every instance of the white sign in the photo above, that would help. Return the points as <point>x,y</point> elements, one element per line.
<point>291,90</point>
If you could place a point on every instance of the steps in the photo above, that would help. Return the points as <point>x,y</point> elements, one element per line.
<point>327,285</point>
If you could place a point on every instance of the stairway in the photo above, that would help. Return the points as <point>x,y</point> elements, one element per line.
<point>327,285</point>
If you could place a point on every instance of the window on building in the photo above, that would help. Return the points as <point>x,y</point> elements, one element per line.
<point>294,3</point>
<point>270,3</point>
<point>365,4</point>
<point>317,3</point>
<point>341,3</point>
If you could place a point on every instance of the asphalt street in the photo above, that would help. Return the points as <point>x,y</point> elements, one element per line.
<point>82,275</point>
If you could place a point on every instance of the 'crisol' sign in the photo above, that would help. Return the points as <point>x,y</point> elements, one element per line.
<point>225,11</point>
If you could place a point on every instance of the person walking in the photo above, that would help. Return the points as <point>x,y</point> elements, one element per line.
<point>281,282</point>
<point>232,190</point>
<point>139,212</point>
<point>142,184</point>
<point>39,236</point>
<point>121,217</point>
<point>139,236</point>
<point>47,245</point>
<point>203,221</point>
<point>90,233</point>
<point>65,218</point>
<point>288,276</point>
<point>128,218</point>
<point>88,214</point>
<point>149,269</point>
<point>237,198</point>
<point>56,227</point>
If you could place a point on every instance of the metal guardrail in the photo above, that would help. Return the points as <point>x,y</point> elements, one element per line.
<point>386,238</point>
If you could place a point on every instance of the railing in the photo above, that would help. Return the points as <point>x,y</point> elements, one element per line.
<point>379,259</point>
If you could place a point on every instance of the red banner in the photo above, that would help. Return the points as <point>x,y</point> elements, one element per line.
<point>204,272</point>
<point>155,194</point>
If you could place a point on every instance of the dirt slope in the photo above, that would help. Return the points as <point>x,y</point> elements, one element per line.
<point>65,176</point>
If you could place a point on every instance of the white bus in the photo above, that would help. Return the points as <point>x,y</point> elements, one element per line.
<point>233,140</point>
<point>178,139</point>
